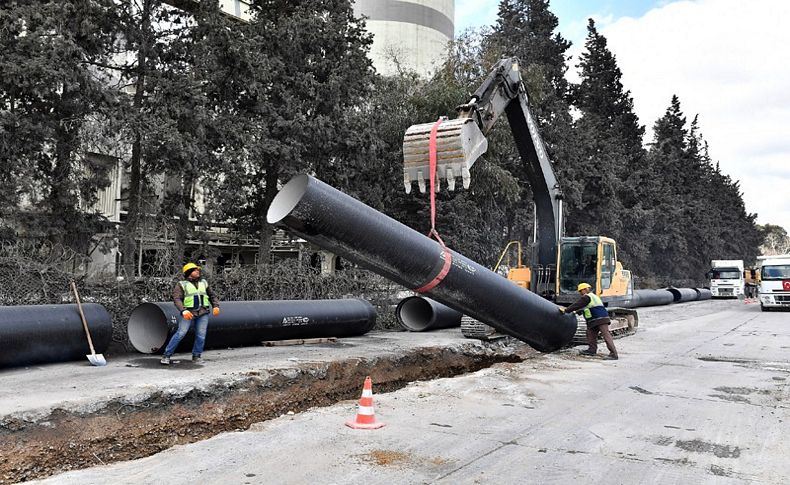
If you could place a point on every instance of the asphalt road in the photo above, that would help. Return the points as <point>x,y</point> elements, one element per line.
<point>700,395</point>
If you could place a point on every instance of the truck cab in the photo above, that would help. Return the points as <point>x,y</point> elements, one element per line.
<point>774,289</point>
<point>726,278</point>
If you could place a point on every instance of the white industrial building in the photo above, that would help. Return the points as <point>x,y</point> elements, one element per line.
<point>408,35</point>
<point>411,35</point>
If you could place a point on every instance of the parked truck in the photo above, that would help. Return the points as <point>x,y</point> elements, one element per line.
<point>726,278</point>
<point>774,289</point>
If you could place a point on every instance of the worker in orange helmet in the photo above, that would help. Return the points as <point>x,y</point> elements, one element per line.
<point>195,300</point>
<point>597,317</point>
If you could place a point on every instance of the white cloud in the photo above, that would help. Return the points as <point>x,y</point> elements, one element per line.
<point>729,61</point>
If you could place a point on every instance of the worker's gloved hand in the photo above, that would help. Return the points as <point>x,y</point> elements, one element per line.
<point>187,315</point>
<point>215,311</point>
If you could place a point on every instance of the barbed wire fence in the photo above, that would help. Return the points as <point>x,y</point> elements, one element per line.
<point>40,273</point>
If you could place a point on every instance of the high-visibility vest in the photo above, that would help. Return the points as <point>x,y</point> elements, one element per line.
<point>595,308</point>
<point>195,296</point>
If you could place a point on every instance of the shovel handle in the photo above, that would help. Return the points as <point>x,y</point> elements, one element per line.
<point>82,316</point>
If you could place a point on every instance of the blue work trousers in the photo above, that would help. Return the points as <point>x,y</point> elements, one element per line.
<point>201,325</point>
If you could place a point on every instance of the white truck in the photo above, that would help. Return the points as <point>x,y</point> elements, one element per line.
<point>774,289</point>
<point>726,278</point>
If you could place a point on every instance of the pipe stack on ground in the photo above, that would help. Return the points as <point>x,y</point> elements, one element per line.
<point>339,223</point>
<point>644,298</point>
<point>37,334</point>
<point>245,323</point>
<point>683,295</point>
<point>704,294</point>
<point>420,314</point>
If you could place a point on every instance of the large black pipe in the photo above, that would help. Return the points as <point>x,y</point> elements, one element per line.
<point>704,294</point>
<point>683,295</point>
<point>652,298</point>
<point>36,334</point>
<point>339,223</point>
<point>244,323</point>
<point>420,314</point>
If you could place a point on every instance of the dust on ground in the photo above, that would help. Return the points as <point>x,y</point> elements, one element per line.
<point>122,431</point>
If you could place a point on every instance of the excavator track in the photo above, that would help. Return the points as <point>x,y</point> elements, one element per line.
<point>471,328</point>
<point>624,323</point>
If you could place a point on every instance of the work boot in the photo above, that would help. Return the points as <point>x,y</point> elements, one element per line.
<point>611,357</point>
<point>165,360</point>
<point>587,352</point>
<point>196,359</point>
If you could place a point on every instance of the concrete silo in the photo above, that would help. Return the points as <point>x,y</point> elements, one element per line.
<point>412,33</point>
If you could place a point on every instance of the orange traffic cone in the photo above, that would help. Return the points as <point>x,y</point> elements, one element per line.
<point>366,416</point>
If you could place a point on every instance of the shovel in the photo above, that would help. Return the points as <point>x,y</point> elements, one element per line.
<point>93,358</point>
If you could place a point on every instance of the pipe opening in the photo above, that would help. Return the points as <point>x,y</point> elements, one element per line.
<point>416,314</point>
<point>288,197</point>
<point>148,329</point>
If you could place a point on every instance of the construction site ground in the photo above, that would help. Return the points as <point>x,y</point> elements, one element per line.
<point>700,395</point>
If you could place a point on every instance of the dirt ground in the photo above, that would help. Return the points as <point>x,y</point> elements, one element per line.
<point>123,431</point>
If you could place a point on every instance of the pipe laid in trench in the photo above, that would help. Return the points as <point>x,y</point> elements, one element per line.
<point>420,314</point>
<point>339,223</point>
<point>245,323</point>
<point>37,334</point>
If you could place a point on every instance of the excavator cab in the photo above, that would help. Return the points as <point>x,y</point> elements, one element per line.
<point>578,263</point>
<point>592,260</point>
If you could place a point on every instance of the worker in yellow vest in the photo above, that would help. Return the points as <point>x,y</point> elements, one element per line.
<point>195,300</point>
<point>597,318</point>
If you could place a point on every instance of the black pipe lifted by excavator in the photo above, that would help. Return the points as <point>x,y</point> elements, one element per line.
<point>37,334</point>
<point>245,323</point>
<point>421,314</point>
<point>339,223</point>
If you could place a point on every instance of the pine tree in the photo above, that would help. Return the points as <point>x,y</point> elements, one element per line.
<point>170,120</point>
<point>302,65</point>
<point>49,91</point>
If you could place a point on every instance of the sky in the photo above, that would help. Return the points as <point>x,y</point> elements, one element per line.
<point>727,60</point>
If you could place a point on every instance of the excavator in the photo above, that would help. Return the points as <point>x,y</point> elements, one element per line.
<point>558,263</point>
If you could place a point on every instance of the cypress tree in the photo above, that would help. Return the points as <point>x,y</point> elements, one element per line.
<point>527,29</point>
<point>699,211</point>
<point>610,139</point>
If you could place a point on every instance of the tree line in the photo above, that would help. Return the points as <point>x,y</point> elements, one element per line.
<point>198,98</point>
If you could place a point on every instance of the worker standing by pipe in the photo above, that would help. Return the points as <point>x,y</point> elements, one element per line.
<point>195,300</point>
<point>597,318</point>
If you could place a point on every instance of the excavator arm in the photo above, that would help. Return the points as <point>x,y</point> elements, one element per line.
<point>460,142</point>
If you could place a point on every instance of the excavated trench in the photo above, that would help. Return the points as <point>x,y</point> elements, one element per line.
<point>124,431</point>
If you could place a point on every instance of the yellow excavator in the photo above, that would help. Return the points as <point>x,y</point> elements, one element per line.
<point>558,263</point>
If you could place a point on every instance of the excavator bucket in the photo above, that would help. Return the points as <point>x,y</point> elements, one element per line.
<point>459,143</point>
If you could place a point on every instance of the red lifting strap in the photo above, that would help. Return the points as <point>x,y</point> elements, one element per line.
<point>448,258</point>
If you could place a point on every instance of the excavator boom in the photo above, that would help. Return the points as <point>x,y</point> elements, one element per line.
<point>460,142</point>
